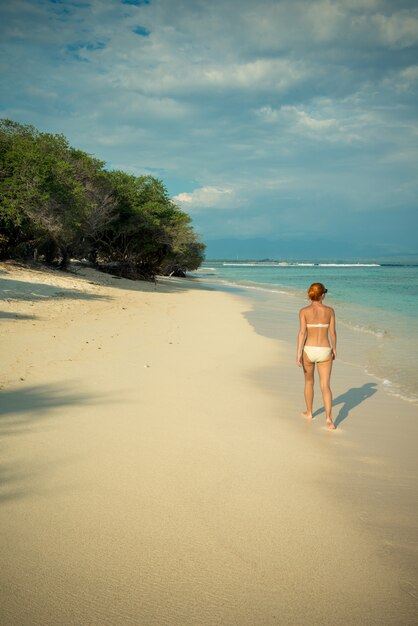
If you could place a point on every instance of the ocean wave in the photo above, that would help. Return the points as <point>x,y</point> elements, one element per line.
<point>348,265</point>
<point>393,389</point>
<point>272,264</point>
<point>255,287</point>
<point>376,332</point>
<point>296,264</point>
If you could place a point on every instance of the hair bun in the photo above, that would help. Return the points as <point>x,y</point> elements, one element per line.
<point>316,291</point>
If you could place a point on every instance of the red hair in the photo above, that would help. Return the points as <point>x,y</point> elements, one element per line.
<point>315,291</point>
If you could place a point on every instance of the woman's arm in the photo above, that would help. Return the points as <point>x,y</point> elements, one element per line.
<point>301,338</point>
<point>333,334</point>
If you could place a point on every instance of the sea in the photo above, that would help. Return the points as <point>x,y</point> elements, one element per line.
<point>376,306</point>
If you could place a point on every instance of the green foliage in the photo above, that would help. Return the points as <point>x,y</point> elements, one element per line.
<point>56,201</point>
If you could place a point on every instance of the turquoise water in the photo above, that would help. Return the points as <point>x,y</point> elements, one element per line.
<point>376,307</point>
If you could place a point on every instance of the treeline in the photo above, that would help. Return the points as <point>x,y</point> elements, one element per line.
<point>57,203</point>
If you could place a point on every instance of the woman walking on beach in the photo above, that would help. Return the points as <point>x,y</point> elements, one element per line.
<point>317,327</point>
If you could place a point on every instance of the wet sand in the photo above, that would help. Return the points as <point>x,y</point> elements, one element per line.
<point>156,470</point>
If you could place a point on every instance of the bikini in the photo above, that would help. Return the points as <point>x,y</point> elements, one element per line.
<point>317,354</point>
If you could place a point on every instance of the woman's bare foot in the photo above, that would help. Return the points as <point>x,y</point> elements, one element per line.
<point>330,423</point>
<point>308,415</point>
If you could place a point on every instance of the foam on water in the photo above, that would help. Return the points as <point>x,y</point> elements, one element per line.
<point>294,264</point>
<point>255,287</point>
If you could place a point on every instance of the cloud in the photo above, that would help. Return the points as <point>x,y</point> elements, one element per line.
<point>206,197</point>
<point>399,30</point>
<point>327,124</point>
<point>260,116</point>
<point>410,73</point>
<point>296,117</point>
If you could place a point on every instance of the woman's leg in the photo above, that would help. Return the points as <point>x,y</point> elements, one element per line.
<point>324,371</point>
<point>308,369</point>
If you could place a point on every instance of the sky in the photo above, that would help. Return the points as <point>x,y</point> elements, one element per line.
<point>283,125</point>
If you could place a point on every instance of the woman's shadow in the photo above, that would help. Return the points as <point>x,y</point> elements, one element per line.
<point>351,398</point>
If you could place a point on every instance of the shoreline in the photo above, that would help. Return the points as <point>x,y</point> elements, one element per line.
<point>372,348</point>
<point>157,470</point>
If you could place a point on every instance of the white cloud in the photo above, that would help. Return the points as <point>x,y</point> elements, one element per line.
<point>272,75</point>
<point>326,19</point>
<point>340,128</point>
<point>264,109</point>
<point>400,29</point>
<point>402,81</point>
<point>410,73</point>
<point>206,197</point>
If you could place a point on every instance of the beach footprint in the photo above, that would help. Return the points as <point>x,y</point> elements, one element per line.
<point>387,550</point>
<point>409,588</point>
<point>364,517</point>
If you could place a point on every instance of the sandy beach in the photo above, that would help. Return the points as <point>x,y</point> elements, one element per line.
<point>156,470</point>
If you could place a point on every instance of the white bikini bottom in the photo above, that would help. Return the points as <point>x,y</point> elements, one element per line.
<point>317,354</point>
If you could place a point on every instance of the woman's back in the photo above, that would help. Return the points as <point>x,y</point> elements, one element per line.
<point>316,313</point>
<point>318,318</point>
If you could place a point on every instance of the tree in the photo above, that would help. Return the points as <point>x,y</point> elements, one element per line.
<point>57,201</point>
<point>53,198</point>
<point>150,231</point>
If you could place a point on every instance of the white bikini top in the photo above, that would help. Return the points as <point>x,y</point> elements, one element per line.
<point>317,325</point>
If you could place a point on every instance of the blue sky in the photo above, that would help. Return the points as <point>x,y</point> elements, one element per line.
<point>287,120</point>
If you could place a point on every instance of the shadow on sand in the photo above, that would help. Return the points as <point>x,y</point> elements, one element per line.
<point>16,316</point>
<point>22,410</point>
<point>39,292</point>
<point>349,400</point>
<point>163,284</point>
<point>11,289</point>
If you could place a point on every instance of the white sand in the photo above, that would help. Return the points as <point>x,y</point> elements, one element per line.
<point>155,473</point>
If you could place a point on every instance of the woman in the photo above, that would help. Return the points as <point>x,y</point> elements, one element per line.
<point>317,325</point>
